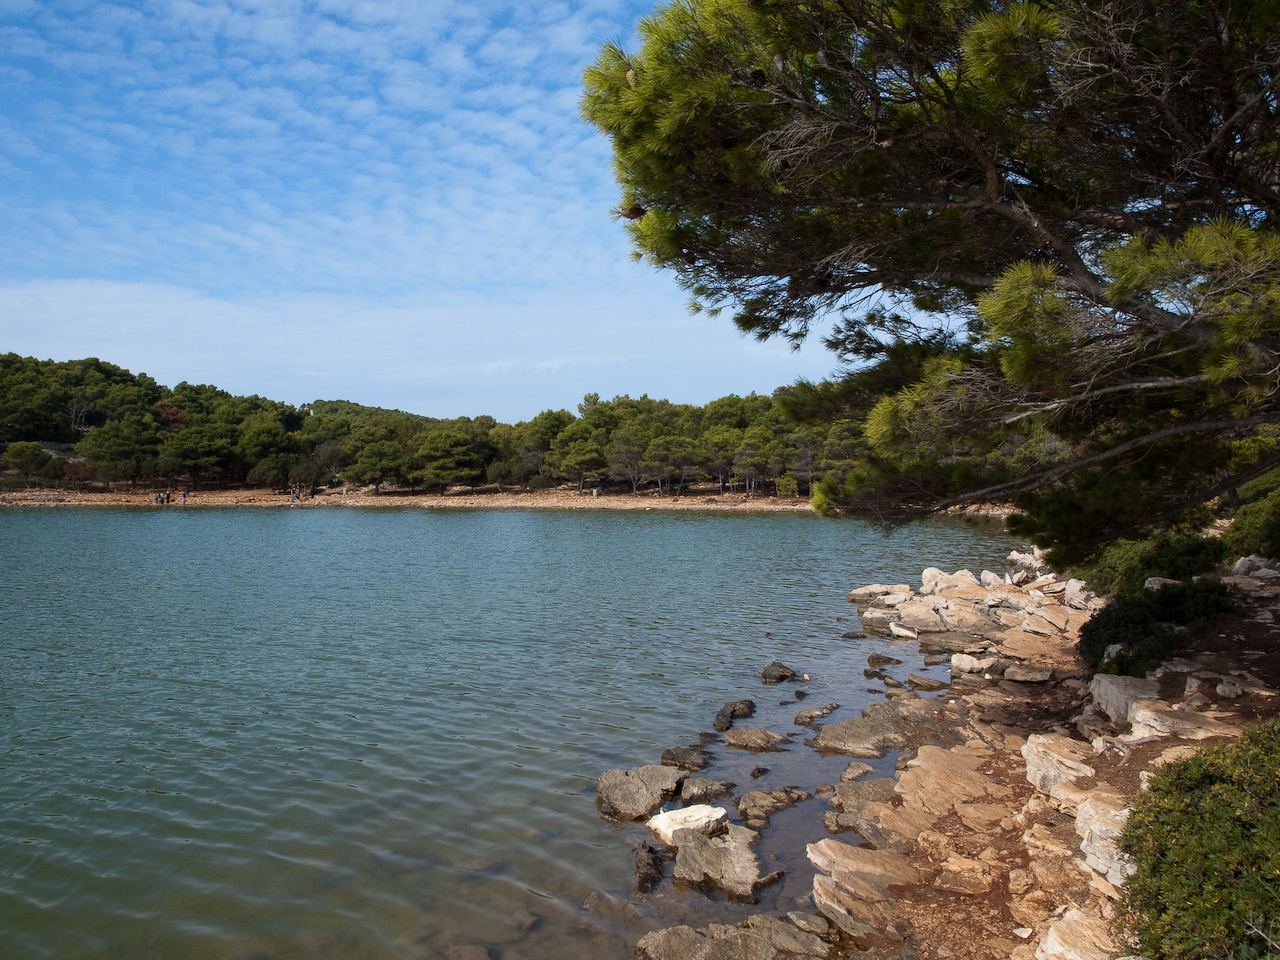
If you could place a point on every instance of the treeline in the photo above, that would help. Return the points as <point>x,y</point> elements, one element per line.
<point>86,420</point>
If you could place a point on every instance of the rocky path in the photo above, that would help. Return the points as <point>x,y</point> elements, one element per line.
<point>996,837</point>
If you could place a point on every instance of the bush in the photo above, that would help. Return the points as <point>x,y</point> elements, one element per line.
<point>1144,625</point>
<point>540,482</point>
<point>1124,567</point>
<point>1206,844</point>
<point>1256,528</point>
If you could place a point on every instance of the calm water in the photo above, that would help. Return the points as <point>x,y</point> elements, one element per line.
<point>359,734</point>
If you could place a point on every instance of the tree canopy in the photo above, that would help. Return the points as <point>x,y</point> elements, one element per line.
<point>1043,232</point>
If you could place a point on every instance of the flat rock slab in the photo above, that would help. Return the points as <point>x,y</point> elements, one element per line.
<point>880,869</point>
<point>1155,718</point>
<point>1115,695</point>
<point>936,780</point>
<point>1077,936</point>
<point>807,716</point>
<point>737,710</point>
<point>869,735</point>
<point>634,794</point>
<point>755,740</point>
<point>726,861</point>
<point>760,938</point>
<point>700,790</point>
<point>872,590</point>
<point>1052,758</point>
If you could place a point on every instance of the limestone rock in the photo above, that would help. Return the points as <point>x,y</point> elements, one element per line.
<point>1077,935</point>
<point>701,817</point>
<point>921,616</point>
<point>725,861</point>
<point>963,663</point>
<point>754,740</point>
<point>927,684</point>
<point>634,794</point>
<point>903,632</point>
<point>880,869</point>
<point>737,710</point>
<point>878,621</point>
<point>686,758</point>
<point>851,796</point>
<point>871,591</point>
<point>962,875</point>
<point>1099,820</point>
<point>869,735</point>
<point>1114,695</point>
<point>806,717</point>
<point>962,616</point>
<point>1155,718</point>
<point>893,828</point>
<point>1023,674</point>
<point>936,779</point>
<point>1052,758</point>
<point>856,770</point>
<point>777,672</point>
<point>700,791</point>
<point>759,805</point>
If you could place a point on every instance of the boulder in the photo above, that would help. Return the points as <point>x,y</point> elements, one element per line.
<point>634,794</point>
<point>850,796</point>
<point>892,828</point>
<point>754,740</point>
<point>1077,935</point>
<point>700,791</point>
<point>777,672</point>
<point>1019,673</point>
<point>903,632</point>
<point>877,869</point>
<point>691,758</point>
<point>1155,718</point>
<point>963,663</point>
<point>807,716</point>
<point>1115,695</point>
<point>757,806</point>
<point>725,861</point>
<point>701,817</point>
<point>919,615</point>
<point>1052,758</point>
<point>965,617</point>
<point>737,710</point>
<point>927,684</point>
<point>872,590</point>
<point>869,735</point>
<point>1100,818</point>
<point>882,660</point>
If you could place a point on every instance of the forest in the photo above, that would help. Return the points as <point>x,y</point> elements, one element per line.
<point>89,422</point>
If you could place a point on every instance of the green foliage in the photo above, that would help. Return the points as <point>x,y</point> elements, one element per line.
<point>1145,625</point>
<point>1256,528</point>
<point>27,457</point>
<point>1124,566</point>
<point>1055,278</point>
<point>1205,842</point>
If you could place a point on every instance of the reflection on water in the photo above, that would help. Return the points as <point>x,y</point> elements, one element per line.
<point>342,734</point>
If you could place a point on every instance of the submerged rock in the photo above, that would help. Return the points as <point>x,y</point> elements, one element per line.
<point>777,672</point>
<point>725,861</point>
<point>634,794</point>
<point>737,710</point>
<point>755,740</point>
<point>806,717</point>
<point>692,757</point>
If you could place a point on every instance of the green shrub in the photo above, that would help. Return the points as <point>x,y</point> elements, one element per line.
<point>1205,841</point>
<point>540,482</point>
<point>788,487</point>
<point>1124,566</point>
<point>1256,528</point>
<point>1144,625</point>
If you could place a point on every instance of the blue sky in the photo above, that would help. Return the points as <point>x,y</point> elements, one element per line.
<point>386,201</point>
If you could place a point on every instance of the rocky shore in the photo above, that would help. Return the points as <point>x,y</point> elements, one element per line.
<point>995,835</point>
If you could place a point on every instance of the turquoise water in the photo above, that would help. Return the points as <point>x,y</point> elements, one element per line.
<point>359,734</point>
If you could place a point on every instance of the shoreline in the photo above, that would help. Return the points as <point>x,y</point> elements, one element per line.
<point>994,836</point>
<point>555,499</point>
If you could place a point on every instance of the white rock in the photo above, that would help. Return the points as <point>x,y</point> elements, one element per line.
<point>1115,695</point>
<point>1052,758</point>
<point>1077,935</point>
<point>1155,718</point>
<point>1020,673</point>
<point>1100,818</point>
<point>964,663</point>
<point>906,633</point>
<point>701,817</point>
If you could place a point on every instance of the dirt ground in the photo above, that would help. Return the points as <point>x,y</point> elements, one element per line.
<point>703,498</point>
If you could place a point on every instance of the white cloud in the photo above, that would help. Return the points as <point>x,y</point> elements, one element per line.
<point>394,195</point>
